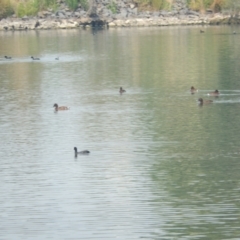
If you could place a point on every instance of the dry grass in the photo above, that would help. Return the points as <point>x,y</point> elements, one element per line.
<point>202,5</point>
<point>153,5</point>
<point>5,8</point>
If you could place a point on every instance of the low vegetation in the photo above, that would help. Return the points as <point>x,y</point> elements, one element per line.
<point>31,7</point>
<point>196,5</point>
<point>112,6</point>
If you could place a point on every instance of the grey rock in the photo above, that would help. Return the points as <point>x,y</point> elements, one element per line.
<point>122,5</point>
<point>156,14</point>
<point>117,16</point>
<point>165,14</point>
<point>183,11</point>
<point>106,13</point>
<point>77,14</point>
<point>68,14</point>
<point>192,16</point>
<point>25,18</point>
<point>132,5</point>
<point>83,13</point>
<point>174,13</point>
<point>135,11</point>
<point>60,12</point>
<point>190,12</point>
<point>123,13</point>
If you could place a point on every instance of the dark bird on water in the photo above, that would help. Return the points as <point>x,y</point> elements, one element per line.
<point>214,93</point>
<point>201,101</point>
<point>193,90</point>
<point>121,90</point>
<point>84,152</point>
<point>57,108</point>
<point>34,58</point>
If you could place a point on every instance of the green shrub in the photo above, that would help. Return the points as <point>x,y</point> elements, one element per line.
<point>27,9</point>
<point>32,7</point>
<point>112,7</point>
<point>84,4</point>
<point>73,4</point>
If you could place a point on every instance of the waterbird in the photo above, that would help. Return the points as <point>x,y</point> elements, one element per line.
<point>214,93</point>
<point>57,58</point>
<point>201,101</point>
<point>7,57</point>
<point>81,152</point>
<point>121,90</point>
<point>201,31</point>
<point>193,90</point>
<point>57,108</point>
<point>33,58</point>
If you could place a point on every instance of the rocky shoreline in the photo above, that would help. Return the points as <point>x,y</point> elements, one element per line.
<point>124,13</point>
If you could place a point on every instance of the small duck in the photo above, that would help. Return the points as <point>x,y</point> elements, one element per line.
<point>57,108</point>
<point>201,31</point>
<point>121,90</point>
<point>7,57</point>
<point>33,58</point>
<point>201,101</point>
<point>193,90</point>
<point>214,93</point>
<point>84,152</point>
<point>57,58</point>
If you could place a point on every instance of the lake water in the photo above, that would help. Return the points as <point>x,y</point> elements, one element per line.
<point>160,167</point>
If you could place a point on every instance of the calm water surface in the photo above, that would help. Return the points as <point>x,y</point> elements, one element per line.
<point>161,167</point>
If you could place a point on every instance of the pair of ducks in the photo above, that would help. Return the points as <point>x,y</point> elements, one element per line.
<point>34,58</point>
<point>57,108</point>
<point>214,93</point>
<point>200,100</point>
